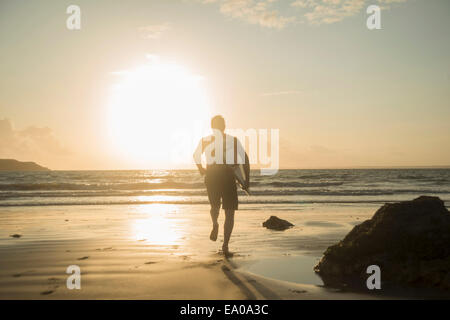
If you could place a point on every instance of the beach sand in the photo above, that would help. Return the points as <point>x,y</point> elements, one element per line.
<point>163,252</point>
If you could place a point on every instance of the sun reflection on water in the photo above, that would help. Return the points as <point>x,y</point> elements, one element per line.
<point>159,225</point>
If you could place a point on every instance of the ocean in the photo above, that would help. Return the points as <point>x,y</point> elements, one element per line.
<point>287,189</point>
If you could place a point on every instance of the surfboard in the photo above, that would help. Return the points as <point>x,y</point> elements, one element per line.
<point>239,174</point>
<point>238,170</point>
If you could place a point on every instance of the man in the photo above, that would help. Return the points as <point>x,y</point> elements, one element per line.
<point>222,152</point>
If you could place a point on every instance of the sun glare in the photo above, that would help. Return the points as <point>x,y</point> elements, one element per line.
<point>158,225</point>
<point>151,107</point>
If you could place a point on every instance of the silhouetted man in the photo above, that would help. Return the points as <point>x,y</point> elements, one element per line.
<point>222,152</point>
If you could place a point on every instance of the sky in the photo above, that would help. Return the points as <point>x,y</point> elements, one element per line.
<point>341,95</point>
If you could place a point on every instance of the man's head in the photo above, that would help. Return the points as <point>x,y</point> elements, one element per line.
<point>218,122</point>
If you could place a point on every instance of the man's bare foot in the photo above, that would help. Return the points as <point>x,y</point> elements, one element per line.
<point>226,252</point>
<point>214,232</point>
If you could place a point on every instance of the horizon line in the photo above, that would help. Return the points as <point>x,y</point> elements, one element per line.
<point>286,168</point>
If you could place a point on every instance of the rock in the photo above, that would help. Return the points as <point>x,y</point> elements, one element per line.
<point>409,241</point>
<point>16,235</point>
<point>276,223</point>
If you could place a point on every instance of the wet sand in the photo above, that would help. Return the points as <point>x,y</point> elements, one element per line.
<point>163,252</point>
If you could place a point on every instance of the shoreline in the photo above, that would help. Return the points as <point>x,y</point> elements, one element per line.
<point>163,252</point>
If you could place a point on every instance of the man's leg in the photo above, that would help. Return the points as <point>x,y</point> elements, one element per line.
<point>214,217</point>
<point>214,201</point>
<point>227,229</point>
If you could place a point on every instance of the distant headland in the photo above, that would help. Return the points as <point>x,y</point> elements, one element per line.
<point>15,165</point>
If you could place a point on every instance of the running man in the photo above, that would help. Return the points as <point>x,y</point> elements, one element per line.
<point>222,151</point>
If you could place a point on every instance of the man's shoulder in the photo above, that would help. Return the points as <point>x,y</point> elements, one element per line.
<point>210,138</point>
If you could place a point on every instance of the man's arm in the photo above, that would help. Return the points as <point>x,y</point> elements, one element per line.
<point>198,157</point>
<point>247,171</point>
<point>201,169</point>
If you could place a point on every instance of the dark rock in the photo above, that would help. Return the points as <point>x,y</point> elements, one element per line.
<point>16,235</point>
<point>409,241</point>
<point>276,223</point>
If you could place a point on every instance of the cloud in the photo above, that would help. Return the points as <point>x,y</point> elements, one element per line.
<point>154,31</point>
<point>30,144</point>
<point>328,11</point>
<point>316,12</point>
<point>253,12</point>
<point>385,4</point>
<point>391,1</point>
<point>266,13</point>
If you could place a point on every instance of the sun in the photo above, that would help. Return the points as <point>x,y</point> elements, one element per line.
<point>156,112</point>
